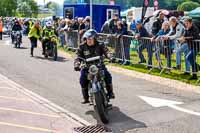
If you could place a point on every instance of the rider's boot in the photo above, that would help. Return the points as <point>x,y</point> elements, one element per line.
<point>31,52</point>
<point>109,89</point>
<point>85,96</point>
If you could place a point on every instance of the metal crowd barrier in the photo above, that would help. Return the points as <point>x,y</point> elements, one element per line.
<point>160,54</point>
<point>72,39</point>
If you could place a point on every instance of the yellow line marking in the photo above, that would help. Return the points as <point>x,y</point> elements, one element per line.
<point>15,98</point>
<point>29,127</point>
<point>28,112</point>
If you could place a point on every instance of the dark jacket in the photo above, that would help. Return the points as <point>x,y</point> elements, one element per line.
<point>16,27</point>
<point>84,51</point>
<point>194,33</point>
<point>112,26</point>
<point>142,32</point>
<point>157,24</point>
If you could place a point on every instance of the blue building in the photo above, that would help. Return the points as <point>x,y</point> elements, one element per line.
<point>101,13</point>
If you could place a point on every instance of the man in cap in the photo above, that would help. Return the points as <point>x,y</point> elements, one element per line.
<point>142,32</point>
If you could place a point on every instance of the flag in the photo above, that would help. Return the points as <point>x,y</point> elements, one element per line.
<point>156,5</point>
<point>144,8</point>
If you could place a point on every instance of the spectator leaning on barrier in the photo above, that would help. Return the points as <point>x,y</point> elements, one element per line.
<point>75,24</point>
<point>87,23</point>
<point>177,30</point>
<point>113,24</point>
<point>157,24</point>
<point>133,26</point>
<point>163,47</point>
<point>61,32</point>
<point>122,49</point>
<point>192,32</point>
<point>81,28</point>
<point>142,32</point>
<point>105,28</point>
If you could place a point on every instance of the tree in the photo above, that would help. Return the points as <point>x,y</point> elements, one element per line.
<point>188,6</point>
<point>55,7</point>
<point>8,7</point>
<point>27,8</point>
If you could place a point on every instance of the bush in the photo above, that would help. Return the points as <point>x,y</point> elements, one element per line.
<point>188,6</point>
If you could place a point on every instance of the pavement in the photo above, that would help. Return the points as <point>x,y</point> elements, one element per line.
<point>25,112</point>
<point>56,81</point>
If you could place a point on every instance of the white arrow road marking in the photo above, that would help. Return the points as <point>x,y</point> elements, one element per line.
<point>157,102</point>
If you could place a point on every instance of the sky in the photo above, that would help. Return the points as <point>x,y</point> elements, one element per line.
<point>41,2</point>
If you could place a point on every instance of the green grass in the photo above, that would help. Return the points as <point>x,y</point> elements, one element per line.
<point>44,15</point>
<point>176,75</point>
<point>65,49</point>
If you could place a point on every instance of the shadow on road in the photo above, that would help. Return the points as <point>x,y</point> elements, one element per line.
<point>59,59</point>
<point>119,122</point>
<point>22,48</point>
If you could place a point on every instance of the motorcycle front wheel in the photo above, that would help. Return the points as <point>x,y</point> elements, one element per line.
<point>101,108</point>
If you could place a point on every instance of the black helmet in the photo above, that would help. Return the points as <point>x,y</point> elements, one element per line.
<point>90,34</point>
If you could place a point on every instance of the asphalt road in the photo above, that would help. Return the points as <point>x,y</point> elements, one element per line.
<point>57,82</point>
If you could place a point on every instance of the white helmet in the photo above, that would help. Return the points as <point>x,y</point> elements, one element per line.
<point>48,24</point>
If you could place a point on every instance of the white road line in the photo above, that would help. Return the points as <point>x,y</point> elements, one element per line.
<point>50,105</point>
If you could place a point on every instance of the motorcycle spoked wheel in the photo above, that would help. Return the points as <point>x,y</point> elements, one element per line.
<point>100,107</point>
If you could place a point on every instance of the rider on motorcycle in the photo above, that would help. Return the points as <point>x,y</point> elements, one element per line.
<point>48,31</point>
<point>16,27</point>
<point>91,48</point>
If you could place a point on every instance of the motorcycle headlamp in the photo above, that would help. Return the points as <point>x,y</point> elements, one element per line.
<point>93,70</point>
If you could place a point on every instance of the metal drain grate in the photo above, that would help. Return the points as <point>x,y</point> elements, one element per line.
<point>93,129</point>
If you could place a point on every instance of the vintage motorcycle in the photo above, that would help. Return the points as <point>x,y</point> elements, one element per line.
<point>96,87</point>
<point>51,48</point>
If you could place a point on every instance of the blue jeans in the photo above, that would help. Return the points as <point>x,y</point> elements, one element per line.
<point>62,39</point>
<point>191,57</point>
<point>145,45</point>
<point>166,49</point>
<point>184,48</point>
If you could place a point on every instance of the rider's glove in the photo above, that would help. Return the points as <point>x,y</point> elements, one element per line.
<point>77,66</point>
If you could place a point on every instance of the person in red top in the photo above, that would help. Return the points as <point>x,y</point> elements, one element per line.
<point>1,29</point>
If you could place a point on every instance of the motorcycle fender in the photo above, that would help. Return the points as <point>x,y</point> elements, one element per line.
<point>95,88</point>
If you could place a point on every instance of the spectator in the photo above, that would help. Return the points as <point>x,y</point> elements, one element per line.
<point>75,24</point>
<point>163,47</point>
<point>87,23</point>
<point>157,24</point>
<point>192,31</point>
<point>123,45</point>
<point>81,28</point>
<point>113,24</point>
<point>133,26</point>
<point>177,30</point>
<point>61,32</point>
<point>125,25</point>
<point>142,32</point>
<point>105,28</point>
